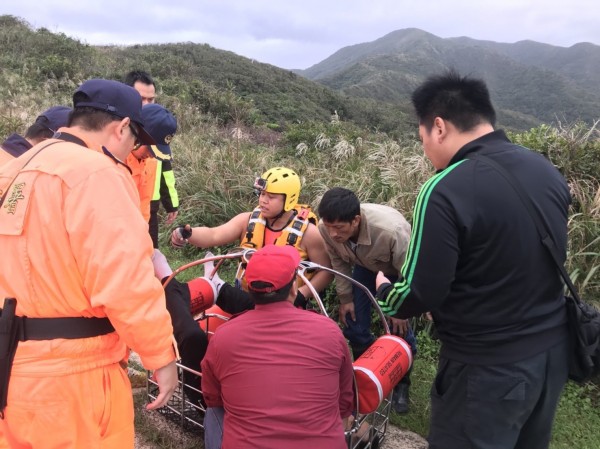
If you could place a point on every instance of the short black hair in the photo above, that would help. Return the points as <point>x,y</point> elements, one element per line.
<point>37,131</point>
<point>270,297</point>
<point>91,119</point>
<point>138,75</point>
<point>339,204</point>
<point>463,101</point>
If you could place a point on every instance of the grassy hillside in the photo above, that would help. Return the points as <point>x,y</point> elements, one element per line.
<point>231,89</point>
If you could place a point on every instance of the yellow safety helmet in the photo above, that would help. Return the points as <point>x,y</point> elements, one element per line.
<point>283,181</point>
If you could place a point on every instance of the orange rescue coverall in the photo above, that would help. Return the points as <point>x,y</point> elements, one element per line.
<point>144,177</point>
<point>74,244</point>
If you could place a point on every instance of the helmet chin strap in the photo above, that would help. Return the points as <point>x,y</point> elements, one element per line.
<point>277,217</point>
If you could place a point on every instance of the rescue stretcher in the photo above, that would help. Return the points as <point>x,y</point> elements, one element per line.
<point>368,429</point>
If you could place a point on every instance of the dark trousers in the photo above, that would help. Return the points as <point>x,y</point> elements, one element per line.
<point>233,300</point>
<point>509,406</point>
<point>153,222</point>
<point>359,332</point>
<point>192,342</point>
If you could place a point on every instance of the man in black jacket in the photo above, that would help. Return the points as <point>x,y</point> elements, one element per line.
<point>476,262</point>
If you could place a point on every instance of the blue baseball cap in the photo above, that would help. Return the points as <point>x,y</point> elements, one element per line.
<point>115,98</point>
<point>54,117</point>
<point>161,124</point>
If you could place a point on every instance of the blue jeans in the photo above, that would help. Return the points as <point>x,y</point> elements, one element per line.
<point>359,332</point>
<point>213,427</point>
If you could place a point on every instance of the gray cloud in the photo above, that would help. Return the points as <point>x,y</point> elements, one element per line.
<point>300,34</point>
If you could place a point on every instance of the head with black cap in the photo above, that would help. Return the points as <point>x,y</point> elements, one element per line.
<point>161,124</point>
<point>271,274</point>
<point>110,113</point>
<point>47,123</point>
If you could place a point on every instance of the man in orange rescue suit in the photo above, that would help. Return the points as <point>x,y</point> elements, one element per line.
<point>164,188</point>
<point>161,124</point>
<point>77,259</point>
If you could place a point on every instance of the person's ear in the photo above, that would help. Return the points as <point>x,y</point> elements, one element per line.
<point>293,290</point>
<point>119,129</point>
<point>440,129</point>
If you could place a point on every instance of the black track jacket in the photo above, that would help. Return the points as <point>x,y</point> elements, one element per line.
<point>475,259</point>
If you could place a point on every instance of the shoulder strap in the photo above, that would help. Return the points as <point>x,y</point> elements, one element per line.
<point>35,153</point>
<point>538,220</point>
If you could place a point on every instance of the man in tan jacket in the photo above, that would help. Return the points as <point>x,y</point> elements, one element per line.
<point>361,240</point>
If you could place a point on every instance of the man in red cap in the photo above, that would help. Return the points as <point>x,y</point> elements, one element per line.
<point>291,372</point>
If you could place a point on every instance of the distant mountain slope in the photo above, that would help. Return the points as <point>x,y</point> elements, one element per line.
<point>580,62</point>
<point>529,82</point>
<point>229,88</point>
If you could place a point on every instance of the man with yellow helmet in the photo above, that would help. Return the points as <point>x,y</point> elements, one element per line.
<point>277,220</point>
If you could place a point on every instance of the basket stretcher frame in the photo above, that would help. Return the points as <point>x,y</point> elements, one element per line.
<point>190,416</point>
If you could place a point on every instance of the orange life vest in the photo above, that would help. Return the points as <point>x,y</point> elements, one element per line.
<point>259,235</point>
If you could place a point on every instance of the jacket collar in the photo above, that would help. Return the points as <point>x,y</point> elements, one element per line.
<point>70,135</point>
<point>363,232</point>
<point>477,145</point>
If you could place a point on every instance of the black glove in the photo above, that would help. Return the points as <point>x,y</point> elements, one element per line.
<point>185,231</point>
<point>300,301</point>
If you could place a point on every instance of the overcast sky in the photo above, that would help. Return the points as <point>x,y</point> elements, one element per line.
<point>300,33</point>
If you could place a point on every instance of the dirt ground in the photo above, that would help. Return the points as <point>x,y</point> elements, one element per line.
<point>403,439</point>
<point>395,438</point>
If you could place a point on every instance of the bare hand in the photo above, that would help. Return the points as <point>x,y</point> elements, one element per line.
<point>345,309</point>
<point>347,422</point>
<point>171,216</point>
<point>167,379</point>
<point>398,326</point>
<point>381,279</point>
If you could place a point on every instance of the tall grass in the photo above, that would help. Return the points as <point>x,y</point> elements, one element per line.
<point>215,171</point>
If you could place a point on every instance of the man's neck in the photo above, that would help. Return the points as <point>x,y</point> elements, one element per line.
<point>277,224</point>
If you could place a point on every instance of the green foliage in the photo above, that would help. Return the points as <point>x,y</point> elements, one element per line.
<point>10,124</point>
<point>575,151</point>
<point>577,422</point>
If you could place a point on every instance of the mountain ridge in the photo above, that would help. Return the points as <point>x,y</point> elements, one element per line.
<point>530,82</point>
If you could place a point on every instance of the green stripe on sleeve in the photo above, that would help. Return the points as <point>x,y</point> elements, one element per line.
<point>401,289</point>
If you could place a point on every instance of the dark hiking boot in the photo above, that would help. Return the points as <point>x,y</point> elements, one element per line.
<point>400,398</point>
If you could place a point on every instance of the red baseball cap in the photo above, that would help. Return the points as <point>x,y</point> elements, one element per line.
<point>271,268</point>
